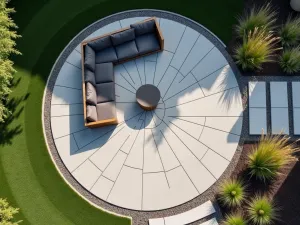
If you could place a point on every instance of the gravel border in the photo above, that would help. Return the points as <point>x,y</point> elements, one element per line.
<point>138,217</point>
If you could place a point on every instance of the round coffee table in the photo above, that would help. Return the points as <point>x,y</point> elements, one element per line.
<point>148,96</point>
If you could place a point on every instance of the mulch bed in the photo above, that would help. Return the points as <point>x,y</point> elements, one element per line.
<point>285,190</point>
<point>284,10</point>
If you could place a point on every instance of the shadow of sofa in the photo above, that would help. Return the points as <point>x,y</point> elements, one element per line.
<point>100,54</point>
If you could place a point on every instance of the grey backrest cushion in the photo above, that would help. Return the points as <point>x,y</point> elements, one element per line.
<point>100,43</point>
<point>89,58</point>
<point>121,37</point>
<point>104,72</point>
<point>91,113</point>
<point>90,76</point>
<point>144,28</point>
<point>91,94</point>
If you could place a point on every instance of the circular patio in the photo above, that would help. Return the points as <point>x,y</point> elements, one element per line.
<point>151,160</point>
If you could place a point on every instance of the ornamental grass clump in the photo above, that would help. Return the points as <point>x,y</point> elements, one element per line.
<point>232,193</point>
<point>263,17</point>
<point>258,47</point>
<point>272,154</point>
<point>289,33</point>
<point>290,60</point>
<point>234,219</point>
<point>262,211</point>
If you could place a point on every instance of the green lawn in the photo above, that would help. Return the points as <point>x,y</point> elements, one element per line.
<point>27,176</point>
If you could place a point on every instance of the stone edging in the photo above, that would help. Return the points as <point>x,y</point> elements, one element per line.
<point>138,217</point>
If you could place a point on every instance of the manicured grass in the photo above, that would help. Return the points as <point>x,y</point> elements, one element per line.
<point>28,178</point>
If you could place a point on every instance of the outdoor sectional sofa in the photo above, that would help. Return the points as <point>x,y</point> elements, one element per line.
<point>100,54</point>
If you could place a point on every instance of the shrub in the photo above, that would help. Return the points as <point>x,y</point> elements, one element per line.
<point>262,211</point>
<point>7,43</point>
<point>235,219</point>
<point>289,33</point>
<point>263,17</point>
<point>270,155</point>
<point>290,60</point>
<point>258,47</point>
<point>232,193</point>
<point>7,213</point>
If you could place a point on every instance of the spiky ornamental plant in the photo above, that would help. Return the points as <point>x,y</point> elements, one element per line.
<point>263,17</point>
<point>7,47</point>
<point>289,33</point>
<point>232,193</point>
<point>262,211</point>
<point>270,155</point>
<point>289,61</point>
<point>258,47</point>
<point>7,213</point>
<point>234,219</point>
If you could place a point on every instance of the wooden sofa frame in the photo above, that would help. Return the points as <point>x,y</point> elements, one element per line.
<point>85,42</point>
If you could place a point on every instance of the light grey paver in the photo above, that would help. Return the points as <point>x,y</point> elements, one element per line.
<point>172,32</point>
<point>215,163</point>
<point>228,124</point>
<point>163,60</point>
<point>167,80</point>
<point>128,21</point>
<point>127,191</point>
<point>297,121</point>
<point>102,187</point>
<point>219,81</point>
<point>66,110</point>
<point>258,120</point>
<point>87,174</point>
<point>149,71</point>
<point>62,95</point>
<point>198,52</point>
<point>296,94</point>
<point>257,94</point>
<point>210,222</point>
<point>65,125</point>
<point>226,144</point>
<point>158,221</point>
<point>280,120</point>
<point>279,94</point>
<point>115,166</point>
<point>213,61</point>
<point>187,42</point>
<point>192,215</point>
<point>75,59</point>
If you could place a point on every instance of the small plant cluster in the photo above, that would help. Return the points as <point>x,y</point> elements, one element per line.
<point>265,161</point>
<point>7,213</point>
<point>261,40</point>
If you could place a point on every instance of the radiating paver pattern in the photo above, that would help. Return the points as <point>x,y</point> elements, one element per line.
<point>156,159</point>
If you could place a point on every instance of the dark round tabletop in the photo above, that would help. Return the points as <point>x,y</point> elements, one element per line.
<point>148,96</point>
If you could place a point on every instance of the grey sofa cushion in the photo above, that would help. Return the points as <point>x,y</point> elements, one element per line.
<point>147,43</point>
<point>105,92</point>
<point>91,113</point>
<point>144,28</point>
<point>89,58</point>
<point>90,76</point>
<point>106,55</point>
<point>106,110</point>
<point>91,94</point>
<point>122,37</point>
<point>104,72</point>
<point>100,43</point>
<point>127,50</point>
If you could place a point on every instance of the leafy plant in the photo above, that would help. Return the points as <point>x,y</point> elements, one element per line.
<point>263,17</point>
<point>290,60</point>
<point>7,43</point>
<point>7,213</point>
<point>258,47</point>
<point>270,155</point>
<point>262,211</point>
<point>289,33</point>
<point>235,219</point>
<point>232,193</point>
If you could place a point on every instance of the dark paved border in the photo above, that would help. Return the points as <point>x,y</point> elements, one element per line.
<point>139,217</point>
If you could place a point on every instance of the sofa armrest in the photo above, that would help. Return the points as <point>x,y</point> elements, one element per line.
<point>160,35</point>
<point>101,123</point>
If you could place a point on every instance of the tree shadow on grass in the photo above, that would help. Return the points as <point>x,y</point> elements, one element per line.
<point>8,130</point>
